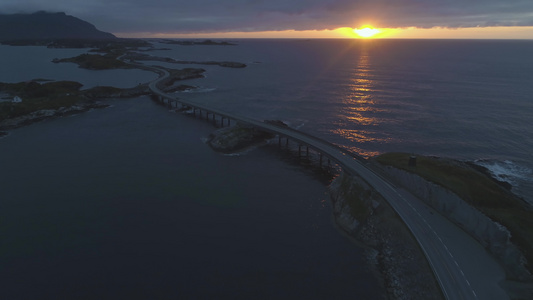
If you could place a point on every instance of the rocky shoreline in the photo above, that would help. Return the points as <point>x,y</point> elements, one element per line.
<point>365,217</point>
<point>45,114</point>
<point>237,138</point>
<point>397,259</point>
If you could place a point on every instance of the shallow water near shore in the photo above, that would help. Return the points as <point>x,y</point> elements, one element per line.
<point>128,201</point>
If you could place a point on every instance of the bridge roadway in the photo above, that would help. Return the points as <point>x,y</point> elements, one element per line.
<point>461,265</point>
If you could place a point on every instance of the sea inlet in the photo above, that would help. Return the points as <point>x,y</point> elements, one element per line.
<point>129,202</point>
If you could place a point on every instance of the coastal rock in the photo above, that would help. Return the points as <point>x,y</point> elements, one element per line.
<point>237,138</point>
<point>366,217</point>
<point>47,114</point>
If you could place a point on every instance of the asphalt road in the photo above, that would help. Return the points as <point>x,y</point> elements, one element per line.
<point>461,265</point>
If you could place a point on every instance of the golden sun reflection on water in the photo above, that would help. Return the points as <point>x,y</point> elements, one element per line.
<point>358,113</point>
<point>362,152</point>
<point>355,135</point>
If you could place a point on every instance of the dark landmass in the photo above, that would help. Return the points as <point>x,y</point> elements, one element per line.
<point>201,43</point>
<point>119,55</point>
<point>96,61</point>
<point>180,88</point>
<point>43,114</point>
<point>511,244</point>
<point>52,99</point>
<point>237,138</point>
<point>99,45</point>
<point>146,57</point>
<point>153,49</point>
<point>240,137</point>
<point>104,46</point>
<point>45,26</point>
<point>277,123</point>
<point>168,85</point>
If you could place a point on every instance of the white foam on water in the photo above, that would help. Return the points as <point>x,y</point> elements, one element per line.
<point>507,170</point>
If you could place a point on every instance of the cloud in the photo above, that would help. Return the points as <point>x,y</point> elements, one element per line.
<point>171,16</point>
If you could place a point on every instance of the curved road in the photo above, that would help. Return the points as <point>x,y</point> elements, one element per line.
<point>461,265</point>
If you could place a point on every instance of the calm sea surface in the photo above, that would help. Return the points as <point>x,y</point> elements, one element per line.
<point>129,201</point>
<point>469,100</point>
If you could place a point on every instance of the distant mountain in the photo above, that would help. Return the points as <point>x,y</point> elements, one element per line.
<point>47,26</point>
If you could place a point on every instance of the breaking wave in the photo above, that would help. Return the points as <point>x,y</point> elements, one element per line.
<point>507,170</point>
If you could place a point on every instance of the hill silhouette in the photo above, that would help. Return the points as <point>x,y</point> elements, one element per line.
<point>47,26</point>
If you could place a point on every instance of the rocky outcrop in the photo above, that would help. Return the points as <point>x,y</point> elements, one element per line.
<point>492,235</point>
<point>47,114</point>
<point>237,138</point>
<point>168,85</point>
<point>365,216</point>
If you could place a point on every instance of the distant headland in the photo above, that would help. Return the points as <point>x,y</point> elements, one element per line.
<point>47,26</point>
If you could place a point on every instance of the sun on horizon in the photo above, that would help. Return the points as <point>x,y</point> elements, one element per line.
<point>366,32</point>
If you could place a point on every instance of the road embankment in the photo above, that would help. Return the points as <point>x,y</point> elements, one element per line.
<point>366,217</point>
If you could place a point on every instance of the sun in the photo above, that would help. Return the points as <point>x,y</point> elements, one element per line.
<point>366,32</point>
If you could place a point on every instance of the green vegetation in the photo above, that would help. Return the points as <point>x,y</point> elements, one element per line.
<point>357,197</point>
<point>54,95</point>
<point>476,188</point>
<point>36,96</point>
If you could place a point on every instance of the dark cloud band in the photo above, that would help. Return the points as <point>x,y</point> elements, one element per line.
<point>171,16</point>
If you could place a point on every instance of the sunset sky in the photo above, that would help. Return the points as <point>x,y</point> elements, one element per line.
<point>296,18</point>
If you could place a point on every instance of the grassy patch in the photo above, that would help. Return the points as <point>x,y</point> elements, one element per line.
<point>37,96</point>
<point>480,191</point>
<point>357,197</point>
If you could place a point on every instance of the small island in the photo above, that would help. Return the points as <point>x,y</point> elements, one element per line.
<point>195,43</point>
<point>43,99</point>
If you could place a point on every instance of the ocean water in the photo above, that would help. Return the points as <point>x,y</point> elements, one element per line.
<point>34,62</point>
<point>129,201</point>
<point>468,100</point>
